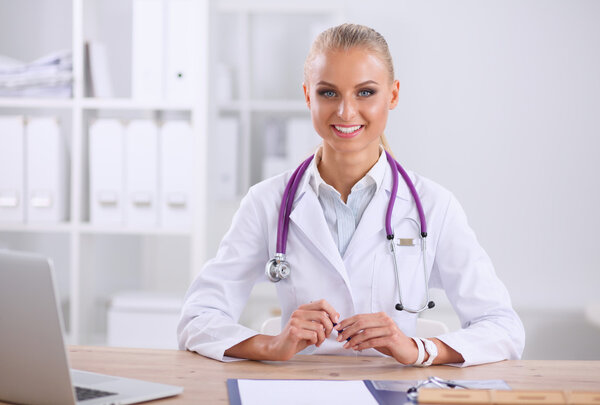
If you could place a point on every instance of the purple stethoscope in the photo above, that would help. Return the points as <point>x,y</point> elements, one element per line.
<point>278,268</point>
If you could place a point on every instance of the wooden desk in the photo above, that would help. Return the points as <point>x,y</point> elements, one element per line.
<point>204,379</point>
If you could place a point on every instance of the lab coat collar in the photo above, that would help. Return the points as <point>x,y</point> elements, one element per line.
<point>374,176</point>
<point>373,219</point>
<point>403,190</point>
<point>307,214</point>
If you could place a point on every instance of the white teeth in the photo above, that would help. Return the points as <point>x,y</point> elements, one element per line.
<point>348,130</point>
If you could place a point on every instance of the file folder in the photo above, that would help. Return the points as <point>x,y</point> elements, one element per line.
<point>141,173</point>
<point>46,171</point>
<point>301,140</point>
<point>176,142</point>
<point>106,171</point>
<point>182,37</point>
<point>12,166</point>
<point>226,169</point>
<point>147,50</point>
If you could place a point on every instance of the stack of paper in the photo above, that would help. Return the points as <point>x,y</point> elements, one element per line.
<point>49,76</point>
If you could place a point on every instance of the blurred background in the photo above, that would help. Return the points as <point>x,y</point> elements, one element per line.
<point>130,131</point>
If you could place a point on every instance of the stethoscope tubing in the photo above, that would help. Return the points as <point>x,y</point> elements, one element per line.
<point>286,205</point>
<point>284,220</point>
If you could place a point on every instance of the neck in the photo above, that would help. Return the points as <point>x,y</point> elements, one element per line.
<point>343,170</point>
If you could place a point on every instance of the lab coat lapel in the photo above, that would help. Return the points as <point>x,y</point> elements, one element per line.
<point>307,215</point>
<point>373,219</point>
<point>372,222</point>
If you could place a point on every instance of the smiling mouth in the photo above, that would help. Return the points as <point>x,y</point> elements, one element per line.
<point>347,131</point>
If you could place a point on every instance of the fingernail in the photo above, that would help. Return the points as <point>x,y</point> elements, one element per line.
<point>334,324</point>
<point>347,340</point>
<point>337,318</point>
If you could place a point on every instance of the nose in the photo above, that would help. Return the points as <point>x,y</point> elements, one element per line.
<point>347,109</point>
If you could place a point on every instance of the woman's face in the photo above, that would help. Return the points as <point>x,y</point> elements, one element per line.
<point>349,94</point>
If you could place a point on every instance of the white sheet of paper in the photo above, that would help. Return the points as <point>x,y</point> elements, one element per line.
<point>265,392</point>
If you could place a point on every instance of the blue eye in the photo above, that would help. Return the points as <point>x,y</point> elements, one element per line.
<point>365,93</point>
<point>327,93</point>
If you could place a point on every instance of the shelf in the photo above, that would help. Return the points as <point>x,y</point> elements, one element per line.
<point>265,106</point>
<point>36,102</point>
<point>36,228</point>
<point>141,231</point>
<point>127,104</point>
<point>94,104</point>
<point>265,7</point>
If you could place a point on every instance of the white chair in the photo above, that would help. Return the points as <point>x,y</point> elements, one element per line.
<point>271,326</point>
<point>425,327</point>
<point>429,328</point>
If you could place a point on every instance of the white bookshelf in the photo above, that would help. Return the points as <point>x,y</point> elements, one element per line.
<point>86,270</point>
<point>93,262</point>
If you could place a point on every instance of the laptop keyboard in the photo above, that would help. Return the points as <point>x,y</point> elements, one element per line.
<point>83,394</point>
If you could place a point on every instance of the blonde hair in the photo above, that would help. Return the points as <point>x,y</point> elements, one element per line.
<point>345,37</point>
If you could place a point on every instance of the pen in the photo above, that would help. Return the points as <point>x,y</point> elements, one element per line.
<point>338,331</point>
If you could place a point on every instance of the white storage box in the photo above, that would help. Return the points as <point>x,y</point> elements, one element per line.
<point>144,319</point>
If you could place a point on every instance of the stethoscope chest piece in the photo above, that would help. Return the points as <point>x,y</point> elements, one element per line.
<point>278,268</point>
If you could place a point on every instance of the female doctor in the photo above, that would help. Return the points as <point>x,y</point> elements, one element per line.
<point>355,272</point>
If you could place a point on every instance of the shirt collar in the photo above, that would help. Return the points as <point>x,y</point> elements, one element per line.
<point>374,176</point>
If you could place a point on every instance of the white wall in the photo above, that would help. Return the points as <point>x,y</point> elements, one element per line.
<point>500,103</point>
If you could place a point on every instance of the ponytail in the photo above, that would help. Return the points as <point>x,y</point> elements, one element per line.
<point>385,144</point>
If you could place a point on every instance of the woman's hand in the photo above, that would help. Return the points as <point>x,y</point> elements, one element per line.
<point>380,332</point>
<point>310,324</point>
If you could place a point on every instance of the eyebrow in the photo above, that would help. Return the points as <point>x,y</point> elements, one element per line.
<point>322,82</point>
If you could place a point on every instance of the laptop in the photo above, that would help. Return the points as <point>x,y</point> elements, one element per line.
<point>34,368</point>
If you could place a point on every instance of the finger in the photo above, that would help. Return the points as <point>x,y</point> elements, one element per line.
<point>376,343</point>
<point>320,317</point>
<point>351,326</point>
<point>359,323</point>
<point>314,326</point>
<point>301,334</point>
<point>322,305</point>
<point>365,335</point>
<point>321,336</point>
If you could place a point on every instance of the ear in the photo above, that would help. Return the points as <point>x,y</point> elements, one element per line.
<point>395,94</point>
<point>306,95</point>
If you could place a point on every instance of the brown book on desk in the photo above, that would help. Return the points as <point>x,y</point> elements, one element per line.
<point>501,397</point>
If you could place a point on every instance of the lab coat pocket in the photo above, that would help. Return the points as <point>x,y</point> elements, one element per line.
<point>385,286</point>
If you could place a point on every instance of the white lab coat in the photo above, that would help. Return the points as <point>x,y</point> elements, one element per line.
<point>362,281</point>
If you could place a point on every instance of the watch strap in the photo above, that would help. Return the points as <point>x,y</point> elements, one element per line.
<point>421,349</point>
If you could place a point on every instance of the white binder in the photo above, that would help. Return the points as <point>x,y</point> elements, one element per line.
<point>12,165</point>
<point>147,68</point>
<point>46,171</point>
<point>106,172</point>
<point>225,174</point>
<point>141,173</point>
<point>182,34</point>
<point>176,142</point>
<point>301,140</point>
